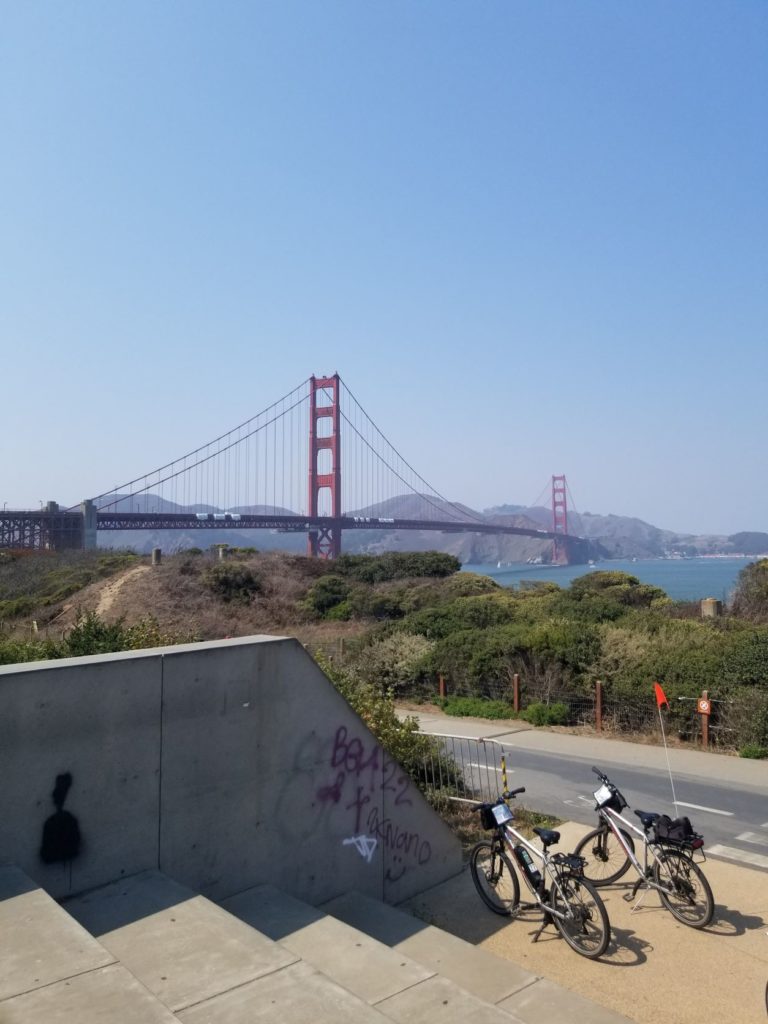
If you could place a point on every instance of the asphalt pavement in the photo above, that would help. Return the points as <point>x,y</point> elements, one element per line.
<point>726,797</point>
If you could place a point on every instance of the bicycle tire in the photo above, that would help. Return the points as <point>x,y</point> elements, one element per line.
<point>495,878</point>
<point>588,930</point>
<point>606,859</point>
<point>691,902</point>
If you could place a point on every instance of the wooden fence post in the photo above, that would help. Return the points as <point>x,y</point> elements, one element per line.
<point>704,722</point>
<point>516,692</point>
<point>441,685</point>
<point>598,706</point>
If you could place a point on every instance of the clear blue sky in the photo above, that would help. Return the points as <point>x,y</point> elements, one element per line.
<point>530,236</point>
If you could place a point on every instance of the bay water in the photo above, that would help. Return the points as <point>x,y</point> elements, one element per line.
<point>683,579</point>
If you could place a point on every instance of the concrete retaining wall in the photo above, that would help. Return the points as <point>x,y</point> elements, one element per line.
<point>224,764</point>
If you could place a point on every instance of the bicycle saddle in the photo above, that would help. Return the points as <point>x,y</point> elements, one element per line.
<point>647,818</point>
<point>547,836</point>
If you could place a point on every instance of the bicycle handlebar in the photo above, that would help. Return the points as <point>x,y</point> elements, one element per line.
<point>600,775</point>
<point>514,792</point>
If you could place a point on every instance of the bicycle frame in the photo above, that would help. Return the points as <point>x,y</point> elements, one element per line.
<point>612,819</point>
<point>511,837</point>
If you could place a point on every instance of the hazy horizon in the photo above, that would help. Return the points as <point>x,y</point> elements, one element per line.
<point>531,238</point>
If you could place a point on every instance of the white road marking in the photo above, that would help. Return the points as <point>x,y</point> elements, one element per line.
<point>709,810</point>
<point>765,825</point>
<point>490,767</point>
<point>752,837</point>
<point>759,860</point>
<point>586,799</point>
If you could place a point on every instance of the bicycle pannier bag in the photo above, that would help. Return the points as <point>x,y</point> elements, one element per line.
<point>677,830</point>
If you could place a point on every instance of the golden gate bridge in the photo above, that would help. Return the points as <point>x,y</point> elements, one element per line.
<point>313,462</point>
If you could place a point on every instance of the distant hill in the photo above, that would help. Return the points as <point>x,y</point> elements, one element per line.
<point>610,536</point>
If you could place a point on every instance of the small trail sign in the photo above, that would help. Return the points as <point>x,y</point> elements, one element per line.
<point>704,706</point>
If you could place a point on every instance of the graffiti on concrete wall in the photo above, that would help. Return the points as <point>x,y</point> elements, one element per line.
<point>61,831</point>
<point>359,769</point>
<point>344,774</point>
<point>365,846</point>
<point>406,848</point>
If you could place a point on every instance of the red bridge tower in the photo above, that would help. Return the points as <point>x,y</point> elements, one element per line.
<point>325,466</point>
<point>559,521</point>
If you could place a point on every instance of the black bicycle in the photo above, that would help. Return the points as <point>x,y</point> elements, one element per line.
<point>558,885</point>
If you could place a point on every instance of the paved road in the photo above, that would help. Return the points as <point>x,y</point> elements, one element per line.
<point>725,797</point>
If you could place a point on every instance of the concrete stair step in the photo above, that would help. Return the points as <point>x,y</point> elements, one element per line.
<point>510,988</point>
<point>39,943</point>
<point>182,947</point>
<point>54,971</point>
<point>108,995</point>
<point>351,958</point>
<point>297,994</point>
<point>482,973</point>
<point>385,978</point>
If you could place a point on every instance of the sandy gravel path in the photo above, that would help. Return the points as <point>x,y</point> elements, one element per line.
<point>111,590</point>
<point>656,971</point>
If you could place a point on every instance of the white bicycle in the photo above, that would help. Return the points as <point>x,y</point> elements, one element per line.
<point>558,886</point>
<point>668,850</point>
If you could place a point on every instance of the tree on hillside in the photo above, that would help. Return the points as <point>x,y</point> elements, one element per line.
<point>750,599</point>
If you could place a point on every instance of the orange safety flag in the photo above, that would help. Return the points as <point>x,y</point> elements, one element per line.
<point>661,697</point>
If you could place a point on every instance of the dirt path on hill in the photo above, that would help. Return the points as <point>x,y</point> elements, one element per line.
<point>111,590</point>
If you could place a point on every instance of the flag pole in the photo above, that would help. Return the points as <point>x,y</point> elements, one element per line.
<point>662,699</point>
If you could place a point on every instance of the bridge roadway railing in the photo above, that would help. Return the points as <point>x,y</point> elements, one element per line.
<point>46,528</point>
<point>52,527</point>
<point>274,521</point>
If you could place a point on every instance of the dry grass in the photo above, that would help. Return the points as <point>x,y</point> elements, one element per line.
<point>465,822</point>
<point>176,595</point>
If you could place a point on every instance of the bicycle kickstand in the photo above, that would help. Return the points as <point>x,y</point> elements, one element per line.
<point>629,896</point>
<point>547,921</point>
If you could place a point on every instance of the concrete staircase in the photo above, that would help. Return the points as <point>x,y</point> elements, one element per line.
<point>148,950</point>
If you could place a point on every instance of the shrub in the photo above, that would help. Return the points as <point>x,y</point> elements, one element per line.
<point>476,707</point>
<point>326,593</point>
<point>396,565</point>
<point>399,737</point>
<point>340,612</point>
<point>394,662</point>
<point>90,635</point>
<point>753,750</point>
<point>546,714</point>
<point>478,612</point>
<point>232,581</point>
<point>750,599</point>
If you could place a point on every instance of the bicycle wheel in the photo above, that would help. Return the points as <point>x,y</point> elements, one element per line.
<point>586,927</point>
<point>495,878</point>
<point>687,895</point>
<point>606,858</point>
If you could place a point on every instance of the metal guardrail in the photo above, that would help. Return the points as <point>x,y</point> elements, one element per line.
<point>475,763</point>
